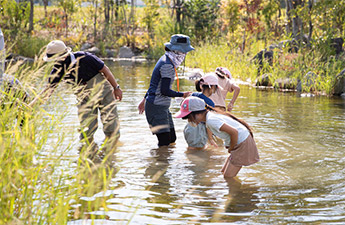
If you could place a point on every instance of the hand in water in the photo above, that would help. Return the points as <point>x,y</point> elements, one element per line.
<point>141,106</point>
<point>213,143</point>
<point>118,94</point>
<point>230,106</point>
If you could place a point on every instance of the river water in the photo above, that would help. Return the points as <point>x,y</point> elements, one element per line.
<point>300,178</point>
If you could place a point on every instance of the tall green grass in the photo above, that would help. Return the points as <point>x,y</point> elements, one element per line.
<point>286,65</point>
<point>39,183</point>
<point>208,57</point>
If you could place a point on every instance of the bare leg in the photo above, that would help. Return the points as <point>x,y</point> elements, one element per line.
<point>226,164</point>
<point>229,170</point>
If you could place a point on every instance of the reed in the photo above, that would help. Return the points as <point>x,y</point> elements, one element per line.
<point>208,57</point>
<point>41,180</point>
<point>286,66</point>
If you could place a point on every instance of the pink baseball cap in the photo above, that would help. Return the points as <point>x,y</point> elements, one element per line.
<point>190,104</point>
<point>210,79</point>
<point>222,71</point>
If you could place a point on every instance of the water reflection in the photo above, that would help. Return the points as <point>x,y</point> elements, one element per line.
<point>156,172</point>
<point>241,198</point>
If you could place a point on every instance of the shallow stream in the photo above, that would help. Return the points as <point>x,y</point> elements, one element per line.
<point>300,178</point>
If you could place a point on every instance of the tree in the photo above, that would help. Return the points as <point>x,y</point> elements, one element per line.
<point>106,5</point>
<point>270,9</point>
<point>330,17</point>
<point>230,18</point>
<point>69,7</point>
<point>178,6</point>
<point>15,17</point>
<point>230,15</point>
<point>202,15</point>
<point>150,15</point>
<point>93,10</point>
<point>31,18</point>
<point>295,23</point>
<point>45,4</point>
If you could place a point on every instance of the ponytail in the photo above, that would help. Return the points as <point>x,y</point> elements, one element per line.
<point>198,83</point>
<point>244,123</point>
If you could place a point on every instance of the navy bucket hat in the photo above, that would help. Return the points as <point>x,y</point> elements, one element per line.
<point>179,42</point>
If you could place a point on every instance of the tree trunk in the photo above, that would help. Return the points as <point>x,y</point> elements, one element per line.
<point>116,10</point>
<point>178,8</point>
<point>288,16</point>
<point>66,19</point>
<point>31,18</point>
<point>311,2</point>
<point>243,41</point>
<point>295,23</point>
<point>95,21</point>
<point>127,26</point>
<point>106,11</point>
<point>45,3</point>
<point>106,18</point>
<point>131,19</point>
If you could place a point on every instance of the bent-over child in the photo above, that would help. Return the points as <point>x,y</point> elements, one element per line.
<point>236,133</point>
<point>197,136</point>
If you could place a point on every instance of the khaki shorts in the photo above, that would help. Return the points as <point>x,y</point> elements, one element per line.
<point>245,154</point>
<point>97,95</point>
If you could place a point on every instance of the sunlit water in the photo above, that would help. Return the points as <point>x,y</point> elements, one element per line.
<point>300,178</point>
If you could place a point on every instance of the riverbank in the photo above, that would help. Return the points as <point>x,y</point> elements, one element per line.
<point>308,70</point>
<point>305,71</point>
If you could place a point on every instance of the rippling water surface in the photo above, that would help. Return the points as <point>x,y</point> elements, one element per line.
<point>300,178</point>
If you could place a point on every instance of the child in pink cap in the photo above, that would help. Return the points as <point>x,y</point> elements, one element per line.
<point>224,81</point>
<point>236,133</point>
<point>197,136</point>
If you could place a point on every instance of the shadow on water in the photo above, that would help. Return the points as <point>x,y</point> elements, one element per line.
<point>93,177</point>
<point>156,172</point>
<point>300,178</point>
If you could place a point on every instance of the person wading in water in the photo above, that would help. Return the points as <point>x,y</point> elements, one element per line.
<point>157,100</point>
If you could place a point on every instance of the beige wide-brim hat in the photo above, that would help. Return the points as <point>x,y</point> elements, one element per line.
<point>210,79</point>
<point>55,50</point>
<point>222,71</point>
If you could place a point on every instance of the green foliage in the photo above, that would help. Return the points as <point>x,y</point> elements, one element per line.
<point>329,18</point>
<point>208,57</point>
<point>230,15</point>
<point>14,17</point>
<point>270,8</point>
<point>29,46</point>
<point>151,15</point>
<point>202,16</point>
<point>68,6</point>
<point>39,184</point>
<point>235,25</point>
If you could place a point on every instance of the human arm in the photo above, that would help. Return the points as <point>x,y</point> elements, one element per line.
<point>233,133</point>
<point>141,106</point>
<point>236,90</point>
<point>210,138</point>
<point>110,77</point>
<point>167,73</point>
<point>165,90</point>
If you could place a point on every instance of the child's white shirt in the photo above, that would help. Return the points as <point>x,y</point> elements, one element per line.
<point>215,121</point>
